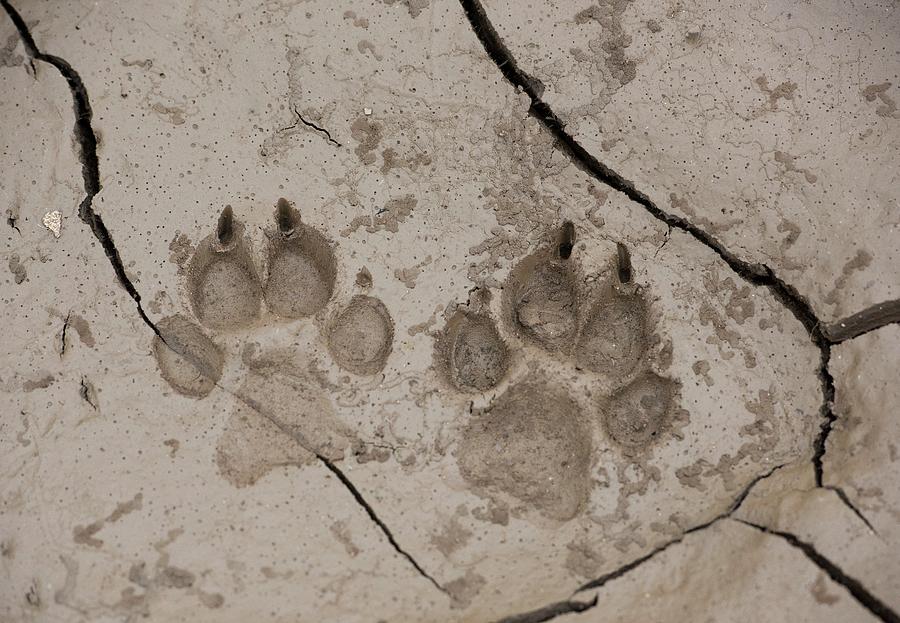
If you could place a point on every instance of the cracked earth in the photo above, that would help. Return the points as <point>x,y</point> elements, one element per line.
<point>438,310</point>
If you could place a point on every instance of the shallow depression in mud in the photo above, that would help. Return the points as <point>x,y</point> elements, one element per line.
<point>471,352</point>
<point>635,416</point>
<point>615,335</point>
<point>540,301</point>
<point>223,286</point>
<point>302,270</point>
<point>532,445</point>
<point>361,337</point>
<point>188,360</point>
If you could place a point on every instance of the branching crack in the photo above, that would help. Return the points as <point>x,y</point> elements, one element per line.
<point>559,608</point>
<point>759,275</point>
<point>846,500</point>
<point>866,599</point>
<point>87,144</point>
<point>344,480</point>
<point>310,124</point>
<point>634,564</point>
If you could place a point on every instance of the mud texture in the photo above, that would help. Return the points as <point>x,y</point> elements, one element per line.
<point>361,336</point>
<point>301,267</point>
<point>560,312</point>
<point>188,359</point>
<point>541,422</point>
<point>471,352</point>
<point>223,285</point>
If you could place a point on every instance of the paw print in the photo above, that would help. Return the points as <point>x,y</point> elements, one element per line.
<point>532,446</point>
<point>280,406</point>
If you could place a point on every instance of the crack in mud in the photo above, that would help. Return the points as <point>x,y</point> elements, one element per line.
<point>550,612</point>
<point>846,500</point>
<point>862,322</point>
<point>866,599</point>
<point>310,124</point>
<point>630,566</point>
<point>759,275</point>
<point>87,144</point>
<point>344,480</point>
<point>634,564</point>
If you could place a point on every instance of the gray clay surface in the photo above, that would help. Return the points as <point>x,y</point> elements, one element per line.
<point>449,310</point>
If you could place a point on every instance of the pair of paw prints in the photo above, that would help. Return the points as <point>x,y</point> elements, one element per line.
<point>534,443</point>
<point>226,292</point>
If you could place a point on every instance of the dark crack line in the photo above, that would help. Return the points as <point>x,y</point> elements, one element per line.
<point>87,143</point>
<point>634,564</point>
<point>334,469</point>
<point>872,318</point>
<point>759,275</point>
<point>344,480</point>
<point>846,500</point>
<point>866,599</point>
<point>62,335</point>
<point>550,612</point>
<point>554,610</point>
<point>85,392</point>
<point>313,126</point>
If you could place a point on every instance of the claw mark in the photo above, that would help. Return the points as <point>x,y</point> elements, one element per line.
<point>866,599</point>
<point>623,263</point>
<point>566,240</point>
<point>88,393</point>
<point>87,144</point>
<point>225,226</point>
<point>12,219</point>
<point>62,335</point>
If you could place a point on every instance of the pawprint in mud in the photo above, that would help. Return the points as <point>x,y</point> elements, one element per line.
<point>532,448</point>
<point>280,407</point>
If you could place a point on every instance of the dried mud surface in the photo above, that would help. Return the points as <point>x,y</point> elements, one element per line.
<point>428,310</point>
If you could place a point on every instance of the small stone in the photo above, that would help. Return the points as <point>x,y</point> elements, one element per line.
<point>53,221</point>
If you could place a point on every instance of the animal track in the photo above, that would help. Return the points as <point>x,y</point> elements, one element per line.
<point>635,415</point>
<point>283,416</point>
<point>540,300</point>
<point>531,444</point>
<point>301,267</point>
<point>188,360</point>
<point>614,337</point>
<point>534,442</point>
<point>361,336</point>
<point>223,285</point>
<point>471,352</point>
<point>531,447</point>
